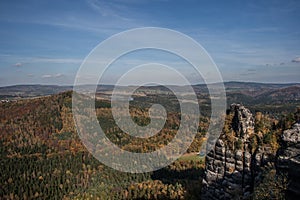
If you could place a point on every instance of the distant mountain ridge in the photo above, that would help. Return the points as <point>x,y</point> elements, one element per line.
<point>247,92</point>
<point>25,91</point>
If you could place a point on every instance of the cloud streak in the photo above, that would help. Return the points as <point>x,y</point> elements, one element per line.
<point>108,9</point>
<point>56,60</point>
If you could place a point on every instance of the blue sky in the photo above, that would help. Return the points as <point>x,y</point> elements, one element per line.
<point>45,41</point>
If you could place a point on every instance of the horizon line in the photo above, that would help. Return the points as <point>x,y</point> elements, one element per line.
<point>224,82</point>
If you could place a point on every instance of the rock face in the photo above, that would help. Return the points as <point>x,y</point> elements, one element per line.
<point>230,168</point>
<point>288,160</point>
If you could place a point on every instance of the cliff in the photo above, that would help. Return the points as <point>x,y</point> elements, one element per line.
<point>288,160</point>
<point>232,167</point>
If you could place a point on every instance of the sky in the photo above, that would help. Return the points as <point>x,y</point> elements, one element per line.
<point>46,41</point>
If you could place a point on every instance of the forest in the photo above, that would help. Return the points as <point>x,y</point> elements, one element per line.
<point>42,156</point>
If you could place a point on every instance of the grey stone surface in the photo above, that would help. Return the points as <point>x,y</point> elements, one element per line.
<point>232,171</point>
<point>228,172</point>
<point>288,160</point>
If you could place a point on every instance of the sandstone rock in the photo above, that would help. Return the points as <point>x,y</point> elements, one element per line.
<point>230,175</point>
<point>232,169</point>
<point>239,155</point>
<point>292,136</point>
<point>288,160</point>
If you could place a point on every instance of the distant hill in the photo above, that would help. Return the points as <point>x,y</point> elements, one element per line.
<point>255,89</point>
<point>265,94</point>
<point>25,91</point>
<point>248,93</point>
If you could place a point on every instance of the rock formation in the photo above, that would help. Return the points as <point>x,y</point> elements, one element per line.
<point>236,163</point>
<point>231,167</point>
<point>288,160</point>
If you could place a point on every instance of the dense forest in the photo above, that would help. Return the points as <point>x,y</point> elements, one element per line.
<point>42,157</point>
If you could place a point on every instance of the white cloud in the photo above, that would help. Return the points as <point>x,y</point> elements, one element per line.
<point>58,75</point>
<point>52,75</point>
<point>18,64</point>
<point>46,76</point>
<point>296,60</point>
